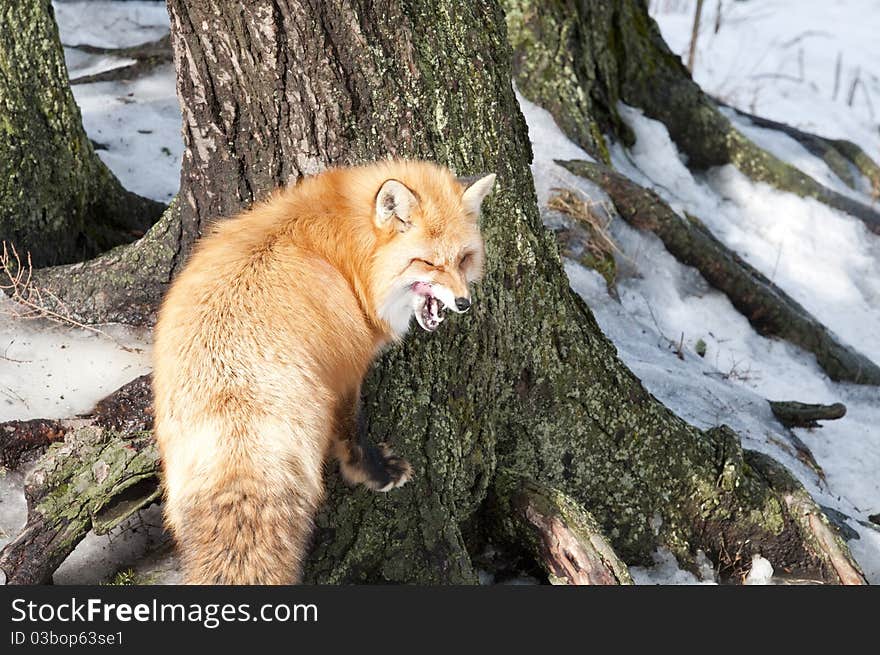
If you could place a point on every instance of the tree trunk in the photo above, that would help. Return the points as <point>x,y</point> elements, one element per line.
<point>527,382</point>
<point>58,201</point>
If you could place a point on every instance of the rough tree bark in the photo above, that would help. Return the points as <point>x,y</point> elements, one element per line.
<point>527,383</point>
<point>58,201</point>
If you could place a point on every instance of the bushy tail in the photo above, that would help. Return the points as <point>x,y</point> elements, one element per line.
<point>244,531</point>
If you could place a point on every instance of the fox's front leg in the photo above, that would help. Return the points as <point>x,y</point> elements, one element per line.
<point>375,467</point>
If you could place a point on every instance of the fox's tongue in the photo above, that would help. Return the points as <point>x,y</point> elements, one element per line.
<point>429,313</point>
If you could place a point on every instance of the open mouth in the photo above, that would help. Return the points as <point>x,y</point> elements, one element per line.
<point>429,310</point>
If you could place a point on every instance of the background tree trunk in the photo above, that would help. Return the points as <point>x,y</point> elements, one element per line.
<point>58,201</point>
<point>526,382</point>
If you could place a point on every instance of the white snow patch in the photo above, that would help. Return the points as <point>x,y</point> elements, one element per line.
<point>761,572</point>
<point>58,371</point>
<point>108,24</point>
<point>666,571</point>
<point>137,123</point>
<point>13,508</point>
<point>98,558</point>
<point>796,63</point>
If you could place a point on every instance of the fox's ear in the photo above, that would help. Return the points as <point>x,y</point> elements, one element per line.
<point>394,205</point>
<point>476,190</point>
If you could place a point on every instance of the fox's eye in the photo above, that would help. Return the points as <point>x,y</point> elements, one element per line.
<point>424,261</point>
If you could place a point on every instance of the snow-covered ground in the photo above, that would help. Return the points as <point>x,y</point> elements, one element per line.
<point>773,58</point>
<point>814,64</point>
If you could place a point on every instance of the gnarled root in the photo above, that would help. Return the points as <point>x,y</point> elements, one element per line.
<point>560,534</point>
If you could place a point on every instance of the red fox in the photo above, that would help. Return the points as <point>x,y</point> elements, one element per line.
<point>263,341</point>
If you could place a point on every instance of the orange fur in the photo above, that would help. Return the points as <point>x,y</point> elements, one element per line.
<point>263,341</point>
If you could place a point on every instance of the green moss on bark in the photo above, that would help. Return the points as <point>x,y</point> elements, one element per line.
<point>58,201</point>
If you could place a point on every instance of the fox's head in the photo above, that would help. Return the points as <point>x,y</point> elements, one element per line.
<point>430,248</point>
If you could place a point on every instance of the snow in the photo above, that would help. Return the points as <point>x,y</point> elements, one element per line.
<point>137,123</point>
<point>99,558</point>
<point>761,572</point>
<point>826,260</point>
<point>109,24</point>
<point>49,370</point>
<point>667,572</point>
<point>13,508</point>
<point>779,59</point>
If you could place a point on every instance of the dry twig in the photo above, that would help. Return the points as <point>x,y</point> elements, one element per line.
<point>29,298</point>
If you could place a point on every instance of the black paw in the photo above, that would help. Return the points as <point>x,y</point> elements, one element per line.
<point>385,470</point>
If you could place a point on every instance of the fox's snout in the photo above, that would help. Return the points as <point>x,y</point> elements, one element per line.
<point>453,292</point>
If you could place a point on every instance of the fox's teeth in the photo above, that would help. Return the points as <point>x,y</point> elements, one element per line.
<point>429,313</point>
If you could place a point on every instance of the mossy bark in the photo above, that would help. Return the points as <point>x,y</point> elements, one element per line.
<point>103,470</point>
<point>843,157</point>
<point>58,201</point>
<point>526,381</point>
<point>579,58</point>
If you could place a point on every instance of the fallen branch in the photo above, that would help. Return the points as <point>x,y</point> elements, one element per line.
<point>147,56</point>
<point>562,537</point>
<point>768,308</point>
<point>102,472</point>
<point>793,414</point>
<point>22,439</point>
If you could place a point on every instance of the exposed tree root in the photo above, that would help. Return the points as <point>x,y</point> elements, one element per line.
<point>94,479</point>
<point>822,538</point>
<point>560,534</point>
<point>793,414</point>
<point>567,60</point>
<point>768,308</point>
<point>839,154</point>
<point>123,285</point>
<point>147,55</point>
